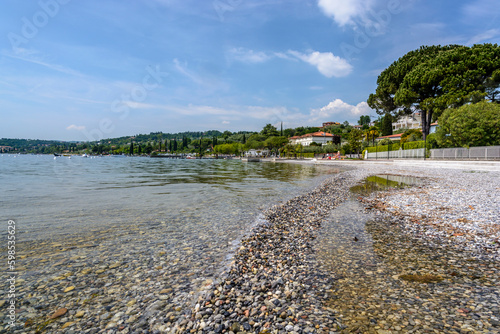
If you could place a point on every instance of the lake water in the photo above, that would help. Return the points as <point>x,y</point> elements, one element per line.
<point>50,197</point>
<point>123,228</point>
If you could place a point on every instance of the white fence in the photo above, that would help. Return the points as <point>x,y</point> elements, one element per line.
<point>458,153</point>
<point>461,153</point>
<point>398,154</point>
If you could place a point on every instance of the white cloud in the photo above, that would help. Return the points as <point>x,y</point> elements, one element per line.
<point>338,108</point>
<point>484,37</point>
<point>33,57</point>
<point>248,56</point>
<point>481,10</point>
<point>346,11</point>
<point>326,62</point>
<point>76,127</point>
<point>182,68</point>
<point>225,122</point>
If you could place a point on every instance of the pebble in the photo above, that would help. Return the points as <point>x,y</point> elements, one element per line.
<point>322,262</point>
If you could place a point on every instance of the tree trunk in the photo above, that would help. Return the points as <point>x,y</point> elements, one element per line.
<point>426,122</point>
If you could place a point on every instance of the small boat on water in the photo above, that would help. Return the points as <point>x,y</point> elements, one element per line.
<point>84,155</point>
<point>57,155</point>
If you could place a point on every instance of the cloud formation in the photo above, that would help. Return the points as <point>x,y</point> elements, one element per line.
<point>338,108</point>
<point>345,12</point>
<point>326,62</point>
<point>248,56</point>
<point>75,127</point>
<point>484,36</point>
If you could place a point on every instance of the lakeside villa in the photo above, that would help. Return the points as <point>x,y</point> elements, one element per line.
<point>319,137</point>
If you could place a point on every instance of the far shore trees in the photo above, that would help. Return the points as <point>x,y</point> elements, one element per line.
<point>432,79</point>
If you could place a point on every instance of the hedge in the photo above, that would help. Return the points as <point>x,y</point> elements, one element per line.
<point>396,146</point>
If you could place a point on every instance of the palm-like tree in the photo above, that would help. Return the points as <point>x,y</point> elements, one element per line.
<point>371,133</point>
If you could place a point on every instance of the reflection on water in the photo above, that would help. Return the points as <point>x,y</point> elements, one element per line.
<point>78,194</point>
<point>387,280</point>
<point>383,182</point>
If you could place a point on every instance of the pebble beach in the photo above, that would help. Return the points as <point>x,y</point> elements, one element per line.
<point>414,259</point>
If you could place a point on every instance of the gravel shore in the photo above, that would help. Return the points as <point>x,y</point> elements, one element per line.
<point>421,259</point>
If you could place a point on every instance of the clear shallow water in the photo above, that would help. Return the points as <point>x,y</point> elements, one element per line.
<point>49,197</point>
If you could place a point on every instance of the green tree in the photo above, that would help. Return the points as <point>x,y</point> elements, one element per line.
<point>288,150</point>
<point>275,142</point>
<point>470,125</point>
<point>371,134</point>
<point>234,148</point>
<point>411,135</point>
<point>226,134</point>
<point>355,140</point>
<point>386,127</point>
<point>131,149</point>
<point>269,130</point>
<point>364,120</point>
<point>435,78</point>
<point>148,149</point>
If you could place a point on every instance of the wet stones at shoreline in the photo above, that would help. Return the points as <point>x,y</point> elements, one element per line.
<point>381,292</point>
<point>137,278</point>
<point>275,283</point>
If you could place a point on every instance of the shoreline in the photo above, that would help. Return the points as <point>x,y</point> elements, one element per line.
<point>478,165</point>
<point>324,319</point>
<point>277,284</point>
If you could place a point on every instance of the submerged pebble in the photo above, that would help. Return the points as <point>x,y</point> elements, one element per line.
<point>318,263</point>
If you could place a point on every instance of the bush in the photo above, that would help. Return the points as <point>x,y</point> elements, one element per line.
<point>432,141</point>
<point>312,149</point>
<point>345,149</point>
<point>411,135</point>
<point>331,148</point>
<point>383,148</point>
<point>470,125</point>
<point>413,145</point>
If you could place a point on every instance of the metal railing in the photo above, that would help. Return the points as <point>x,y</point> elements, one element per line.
<point>457,153</point>
<point>398,154</point>
<point>461,153</point>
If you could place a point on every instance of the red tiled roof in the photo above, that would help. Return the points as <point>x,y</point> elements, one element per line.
<point>314,134</point>
<point>391,136</point>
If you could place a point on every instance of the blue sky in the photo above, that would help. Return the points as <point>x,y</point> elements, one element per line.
<point>88,70</point>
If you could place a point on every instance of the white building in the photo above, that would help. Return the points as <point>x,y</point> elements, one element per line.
<point>257,153</point>
<point>307,139</point>
<point>413,121</point>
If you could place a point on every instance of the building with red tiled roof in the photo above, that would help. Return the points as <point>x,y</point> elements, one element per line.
<point>319,137</point>
<point>391,137</point>
<point>325,124</point>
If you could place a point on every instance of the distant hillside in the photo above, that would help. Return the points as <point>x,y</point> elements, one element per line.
<point>57,146</point>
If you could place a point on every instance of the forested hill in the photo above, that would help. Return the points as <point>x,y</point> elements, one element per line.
<point>52,146</point>
<point>154,136</point>
<point>31,145</point>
